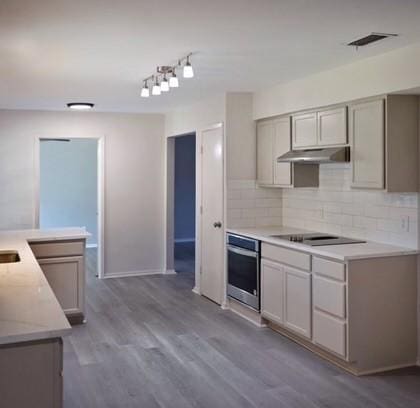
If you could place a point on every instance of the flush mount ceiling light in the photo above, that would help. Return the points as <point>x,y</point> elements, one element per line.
<point>80,105</point>
<point>160,80</point>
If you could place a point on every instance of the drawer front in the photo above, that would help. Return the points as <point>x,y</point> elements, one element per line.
<point>57,249</point>
<point>286,256</point>
<point>331,269</point>
<point>329,296</point>
<point>329,333</point>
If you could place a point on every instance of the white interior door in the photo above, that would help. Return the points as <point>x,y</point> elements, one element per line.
<point>212,222</point>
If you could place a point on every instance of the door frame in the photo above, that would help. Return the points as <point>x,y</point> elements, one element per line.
<point>169,203</point>
<point>100,186</point>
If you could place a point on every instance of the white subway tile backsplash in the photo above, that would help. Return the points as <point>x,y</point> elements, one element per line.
<point>332,208</point>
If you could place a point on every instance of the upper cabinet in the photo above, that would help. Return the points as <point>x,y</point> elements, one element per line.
<point>332,127</point>
<point>304,130</point>
<point>321,128</point>
<point>384,141</point>
<point>273,140</point>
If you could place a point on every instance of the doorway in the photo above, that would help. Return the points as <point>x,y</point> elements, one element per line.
<point>184,205</point>
<point>70,191</point>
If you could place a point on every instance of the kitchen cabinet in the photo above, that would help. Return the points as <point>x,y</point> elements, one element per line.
<point>304,130</point>
<point>367,130</point>
<point>265,158</point>
<point>272,291</point>
<point>322,128</point>
<point>297,301</point>
<point>31,374</point>
<point>348,312</point>
<point>384,143</point>
<point>66,278</point>
<point>63,263</point>
<point>332,127</point>
<point>273,140</point>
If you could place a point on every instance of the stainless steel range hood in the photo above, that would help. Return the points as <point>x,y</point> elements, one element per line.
<point>324,155</point>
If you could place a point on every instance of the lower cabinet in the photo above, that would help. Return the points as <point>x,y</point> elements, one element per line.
<point>272,291</point>
<point>330,332</point>
<point>66,278</point>
<point>63,264</point>
<point>297,301</point>
<point>286,296</point>
<point>31,374</point>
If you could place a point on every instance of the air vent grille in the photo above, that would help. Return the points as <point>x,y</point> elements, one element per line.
<point>369,39</point>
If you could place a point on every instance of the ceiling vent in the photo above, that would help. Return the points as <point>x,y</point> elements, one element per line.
<point>369,39</point>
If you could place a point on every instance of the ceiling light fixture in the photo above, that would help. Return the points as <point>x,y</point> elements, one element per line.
<point>145,92</point>
<point>156,87</point>
<point>188,69</point>
<point>173,80</point>
<point>166,78</point>
<point>80,105</point>
<point>164,84</point>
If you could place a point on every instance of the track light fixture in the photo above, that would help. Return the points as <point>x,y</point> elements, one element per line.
<point>188,69</point>
<point>145,92</point>
<point>156,87</point>
<point>160,80</point>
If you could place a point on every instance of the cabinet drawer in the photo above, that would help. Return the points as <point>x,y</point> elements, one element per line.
<point>329,296</point>
<point>330,269</point>
<point>286,256</point>
<point>57,249</point>
<point>329,333</point>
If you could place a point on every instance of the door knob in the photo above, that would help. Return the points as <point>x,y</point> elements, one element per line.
<point>217,224</point>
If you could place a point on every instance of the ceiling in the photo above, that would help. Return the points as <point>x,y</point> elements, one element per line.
<point>58,51</point>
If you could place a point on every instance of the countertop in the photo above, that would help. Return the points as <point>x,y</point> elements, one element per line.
<point>341,253</point>
<point>29,309</point>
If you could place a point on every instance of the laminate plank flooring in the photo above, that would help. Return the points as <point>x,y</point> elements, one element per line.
<point>151,342</point>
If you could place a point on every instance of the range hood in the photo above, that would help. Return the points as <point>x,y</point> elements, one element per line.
<point>310,156</point>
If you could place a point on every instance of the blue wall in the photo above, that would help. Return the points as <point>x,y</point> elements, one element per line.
<point>68,191</point>
<point>185,187</point>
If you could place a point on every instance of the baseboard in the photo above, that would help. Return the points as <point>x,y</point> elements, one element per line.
<point>170,272</point>
<point>91,245</point>
<point>135,273</point>
<point>179,240</point>
<point>196,290</point>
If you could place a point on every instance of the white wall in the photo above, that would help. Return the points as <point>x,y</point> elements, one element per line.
<point>394,71</point>
<point>68,185</point>
<point>134,175</point>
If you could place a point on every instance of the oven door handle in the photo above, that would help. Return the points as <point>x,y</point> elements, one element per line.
<point>240,251</point>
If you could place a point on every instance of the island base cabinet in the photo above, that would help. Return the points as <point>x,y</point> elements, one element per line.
<point>31,374</point>
<point>66,278</point>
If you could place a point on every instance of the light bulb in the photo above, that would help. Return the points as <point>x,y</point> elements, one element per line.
<point>145,93</point>
<point>173,81</point>
<point>188,69</point>
<point>164,85</point>
<point>156,88</point>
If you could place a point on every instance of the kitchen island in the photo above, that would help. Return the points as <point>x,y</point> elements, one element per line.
<point>32,322</point>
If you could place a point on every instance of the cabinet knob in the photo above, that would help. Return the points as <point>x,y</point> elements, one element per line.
<point>217,224</point>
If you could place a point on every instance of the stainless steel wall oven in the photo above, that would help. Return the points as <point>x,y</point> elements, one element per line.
<point>243,259</point>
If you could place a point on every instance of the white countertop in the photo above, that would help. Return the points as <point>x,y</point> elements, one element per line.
<point>29,309</point>
<point>342,253</point>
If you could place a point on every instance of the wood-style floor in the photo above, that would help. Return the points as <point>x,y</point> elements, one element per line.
<point>151,342</point>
